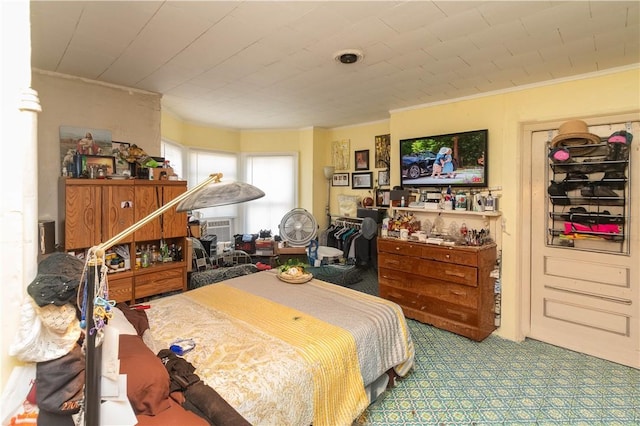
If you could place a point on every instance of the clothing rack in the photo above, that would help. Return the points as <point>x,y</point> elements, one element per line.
<point>348,222</point>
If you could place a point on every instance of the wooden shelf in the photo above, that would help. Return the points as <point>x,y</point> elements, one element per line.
<point>447,212</point>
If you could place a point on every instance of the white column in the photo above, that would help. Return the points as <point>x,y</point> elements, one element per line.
<point>18,172</point>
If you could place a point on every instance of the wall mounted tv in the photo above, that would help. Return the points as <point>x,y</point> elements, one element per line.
<point>456,159</point>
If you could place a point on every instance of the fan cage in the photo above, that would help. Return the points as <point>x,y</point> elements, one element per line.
<point>298,227</point>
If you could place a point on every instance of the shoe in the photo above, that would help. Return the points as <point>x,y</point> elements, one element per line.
<point>597,191</point>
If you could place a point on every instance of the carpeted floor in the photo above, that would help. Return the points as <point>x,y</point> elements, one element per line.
<point>457,381</point>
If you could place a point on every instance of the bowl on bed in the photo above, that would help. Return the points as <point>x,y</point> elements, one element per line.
<point>300,279</point>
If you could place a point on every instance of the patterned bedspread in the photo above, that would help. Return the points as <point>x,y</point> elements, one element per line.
<point>262,343</point>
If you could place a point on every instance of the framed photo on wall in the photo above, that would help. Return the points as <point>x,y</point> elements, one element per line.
<point>362,180</point>
<point>383,178</point>
<point>383,143</point>
<point>340,154</point>
<point>383,197</point>
<point>340,179</point>
<point>362,160</point>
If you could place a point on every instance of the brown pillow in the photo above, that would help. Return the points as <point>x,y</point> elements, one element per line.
<point>147,378</point>
<point>137,318</point>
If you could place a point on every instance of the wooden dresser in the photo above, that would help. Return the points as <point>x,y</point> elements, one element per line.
<point>94,210</point>
<point>448,287</point>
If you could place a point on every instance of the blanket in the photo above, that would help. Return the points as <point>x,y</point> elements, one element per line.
<point>266,375</point>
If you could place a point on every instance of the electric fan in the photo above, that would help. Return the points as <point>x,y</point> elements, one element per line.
<point>298,227</point>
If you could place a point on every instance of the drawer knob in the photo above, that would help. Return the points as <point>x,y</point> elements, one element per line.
<point>447,256</point>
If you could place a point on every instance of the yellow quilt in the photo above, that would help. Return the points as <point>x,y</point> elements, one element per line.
<point>328,350</point>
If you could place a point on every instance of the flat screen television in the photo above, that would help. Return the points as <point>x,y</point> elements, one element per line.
<point>456,159</point>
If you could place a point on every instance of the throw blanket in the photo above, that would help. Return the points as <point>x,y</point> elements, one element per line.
<point>268,376</point>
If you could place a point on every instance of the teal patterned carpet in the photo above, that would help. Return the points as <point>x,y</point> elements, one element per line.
<point>457,381</point>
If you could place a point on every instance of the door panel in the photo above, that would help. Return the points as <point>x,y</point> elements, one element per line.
<point>148,198</point>
<point>118,210</point>
<point>174,223</point>
<point>83,209</point>
<point>585,297</point>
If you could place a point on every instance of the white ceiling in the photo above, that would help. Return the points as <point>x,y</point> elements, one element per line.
<point>270,64</point>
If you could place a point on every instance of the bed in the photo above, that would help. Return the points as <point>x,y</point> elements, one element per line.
<point>279,353</point>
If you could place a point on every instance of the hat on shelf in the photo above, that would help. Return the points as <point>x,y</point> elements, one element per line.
<point>575,135</point>
<point>57,280</point>
<point>621,136</point>
<point>618,144</point>
<point>560,155</point>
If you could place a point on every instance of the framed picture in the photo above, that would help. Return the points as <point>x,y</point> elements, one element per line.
<point>120,150</point>
<point>340,154</point>
<point>340,179</point>
<point>383,178</point>
<point>84,141</point>
<point>362,180</point>
<point>362,160</point>
<point>106,161</point>
<point>383,197</point>
<point>383,143</point>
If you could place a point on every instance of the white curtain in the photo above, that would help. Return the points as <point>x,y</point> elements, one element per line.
<point>174,153</point>
<point>202,164</point>
<point>276,175</point>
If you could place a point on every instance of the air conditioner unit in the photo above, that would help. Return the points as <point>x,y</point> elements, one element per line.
<point>222,228</point>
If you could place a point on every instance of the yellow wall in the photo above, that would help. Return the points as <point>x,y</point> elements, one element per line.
<point>360,137</point>
<point>503,114</point>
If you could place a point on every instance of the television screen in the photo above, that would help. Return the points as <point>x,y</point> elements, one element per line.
<point>456,159</point>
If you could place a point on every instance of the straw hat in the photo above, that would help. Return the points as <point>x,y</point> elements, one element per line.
<point>576,133</point>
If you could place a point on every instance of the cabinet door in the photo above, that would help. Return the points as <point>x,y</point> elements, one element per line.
<point>174,223</point>
<point>118,203</point>
<point>147,200</point>
<point>83,216</point>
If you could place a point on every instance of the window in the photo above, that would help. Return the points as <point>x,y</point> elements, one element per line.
<point>277,176</point>
<point>202,164</point>
<point>175,154</point>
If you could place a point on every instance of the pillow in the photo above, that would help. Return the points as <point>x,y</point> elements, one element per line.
<point>120,322</point>
<point>147,378</point>
<point>137,318</point>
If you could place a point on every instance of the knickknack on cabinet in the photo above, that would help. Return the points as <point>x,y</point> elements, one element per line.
<point>94,210</point>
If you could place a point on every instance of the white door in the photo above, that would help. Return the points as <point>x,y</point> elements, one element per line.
<point>585,292</point>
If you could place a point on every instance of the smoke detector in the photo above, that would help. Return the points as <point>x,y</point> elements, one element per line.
<point>348,56</point>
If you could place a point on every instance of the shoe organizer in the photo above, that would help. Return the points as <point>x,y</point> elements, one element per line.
<point>588,196</point>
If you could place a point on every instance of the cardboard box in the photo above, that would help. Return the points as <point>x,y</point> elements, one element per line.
<point>162,173</point>
<point>291,250</point>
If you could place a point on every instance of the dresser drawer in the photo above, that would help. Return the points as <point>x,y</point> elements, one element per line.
<point>120,288</point>
<point>429,305</point>
<point>157,282</point>
<point>459,274</point>
<point>454,293</point>
<point>450,255</point>
<point>399,247</point>
<point>399,262</point>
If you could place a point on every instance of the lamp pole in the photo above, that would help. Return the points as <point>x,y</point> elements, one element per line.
<point>210,193</point>
<point>328,175</point>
